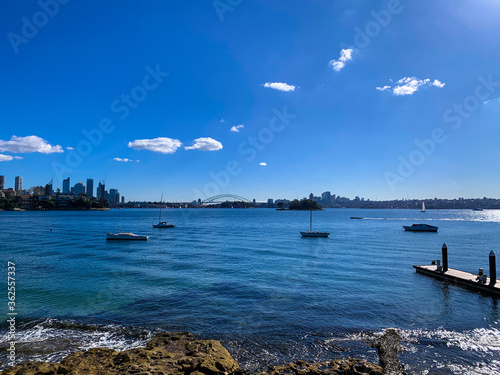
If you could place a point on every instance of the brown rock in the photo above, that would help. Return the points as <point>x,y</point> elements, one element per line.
<point>167,353</point>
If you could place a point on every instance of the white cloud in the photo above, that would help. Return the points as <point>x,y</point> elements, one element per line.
<point>162,145</point>
<point>9,157</point>
<point>263,164</point>
<point>70,148</point>
<point>345,55</point>
<point>438,83</point>
<point>222,120</point>
<point>205,144</point>
<point>125,160</point>
<point>237,128</point>
<point>28,144</point>
<point>409,85</point>
<point>279,86</point>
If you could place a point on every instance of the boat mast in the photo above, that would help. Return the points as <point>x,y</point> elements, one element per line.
<point>310,220</point>
<point>161,201</point>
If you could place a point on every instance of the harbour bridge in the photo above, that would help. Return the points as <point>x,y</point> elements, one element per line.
<point>222,198</point>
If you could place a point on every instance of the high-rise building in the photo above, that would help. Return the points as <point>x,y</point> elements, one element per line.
<point>101,188</point>
<point>79,188</point>
<point>90,187</point>
<point>66,186</point>
<point>2,182</point>
<point>114,196</point>
<point>123,198</point>
<point>18,183</point>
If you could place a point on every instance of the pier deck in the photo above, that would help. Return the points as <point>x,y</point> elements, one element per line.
<point>460,278</point>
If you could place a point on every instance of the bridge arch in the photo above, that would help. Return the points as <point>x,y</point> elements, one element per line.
<point>221,198</point>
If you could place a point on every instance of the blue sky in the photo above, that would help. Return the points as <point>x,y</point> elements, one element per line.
<point>380,99</point>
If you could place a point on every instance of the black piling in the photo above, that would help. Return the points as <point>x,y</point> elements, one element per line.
<point>493,268</point>
<point>444,251</point>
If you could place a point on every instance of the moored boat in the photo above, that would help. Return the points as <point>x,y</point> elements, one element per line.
<point>163,224</point>
<point>310,232</point>
<point>126,237</point>
<point>420,228</point>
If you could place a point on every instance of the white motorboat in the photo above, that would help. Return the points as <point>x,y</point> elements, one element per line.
<point>126,237</point>
<point>420,228</point>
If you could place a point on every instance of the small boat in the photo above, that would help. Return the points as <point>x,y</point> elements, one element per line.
<point>420,228</point>
<point>356,217</point>
<point>312,233</point>
<point>163,224</point>
<point>126,237</point>
<point>423,207</point>
<point>477,209</point>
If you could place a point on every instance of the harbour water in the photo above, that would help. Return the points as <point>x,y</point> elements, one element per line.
<point>247,278</point>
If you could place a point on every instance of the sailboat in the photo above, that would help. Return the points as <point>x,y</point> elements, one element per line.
<point>163,224</point>
<point>310,232</point>
<point>423,207</point>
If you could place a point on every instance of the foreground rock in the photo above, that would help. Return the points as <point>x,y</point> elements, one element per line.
<point>168,353</point>
<point>339,366</point>
<point>388,346</point>
<point>178,353</point>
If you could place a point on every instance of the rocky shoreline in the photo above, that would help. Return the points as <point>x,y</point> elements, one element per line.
<point>182,353</point>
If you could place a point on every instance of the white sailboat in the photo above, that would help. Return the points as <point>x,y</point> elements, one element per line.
<point>423,207</point>
<point>163,224</point>
<point>310,232</point>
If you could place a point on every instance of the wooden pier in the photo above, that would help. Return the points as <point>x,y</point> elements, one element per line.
<point>478,282</point>
<point>460,278</point>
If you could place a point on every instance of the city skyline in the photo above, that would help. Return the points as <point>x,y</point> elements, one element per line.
<point>383,100</point>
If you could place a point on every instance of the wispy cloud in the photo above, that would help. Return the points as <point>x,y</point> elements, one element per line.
<point>162,145</point>
<point>32,143</point>
<point>70,148</point>
<point>281,86</point>
<point>409,85</point>
<point>236,128</point>
<point>124,160</point>
<point>345,56</point>
<point>8,157</point>
<point>205,144</point>
<point>222,120</point>
<point>263,164</point>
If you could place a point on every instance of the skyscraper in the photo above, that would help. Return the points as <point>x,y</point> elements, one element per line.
<point>90,187</point>
<point>79,188</point>
<point>19,183</point>
<point>114,196</point>
<point>2,182</point>
<point>66,186</point>
<point>101,188</point>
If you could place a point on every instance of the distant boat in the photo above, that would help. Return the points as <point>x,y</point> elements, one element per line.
<point>125,236</point>
<point>356,217</point>
<point>163,224</point>
<point>310,232</point>
<point>420,228</point>
<point>477,209</point>
<point>423,207</point>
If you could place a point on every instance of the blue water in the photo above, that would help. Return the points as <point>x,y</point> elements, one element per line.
<point>247,278</point>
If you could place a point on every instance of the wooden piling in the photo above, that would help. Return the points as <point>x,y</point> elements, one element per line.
<point>493,268</point>
<point>444,253</point>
